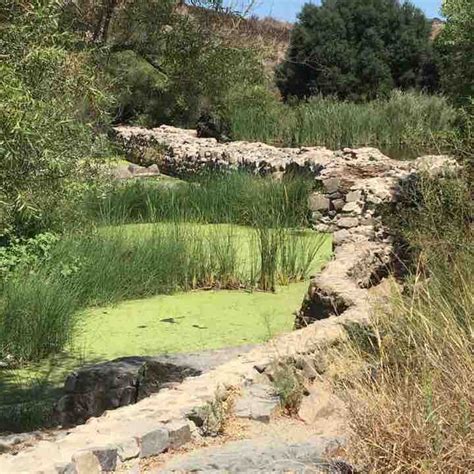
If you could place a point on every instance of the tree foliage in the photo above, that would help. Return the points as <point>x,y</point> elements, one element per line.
<point>166,64</point>
<point>357,49</point>
<point>456,47</point>
<point>53,107</point>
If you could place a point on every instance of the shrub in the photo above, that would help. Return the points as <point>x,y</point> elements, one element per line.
<point>356,49</point>
<point>53,104</point>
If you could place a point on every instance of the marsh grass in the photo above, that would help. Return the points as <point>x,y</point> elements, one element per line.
<point>414,412</point>
<point>41,306</point>
<point>235,198</point>
<point>403,119</point>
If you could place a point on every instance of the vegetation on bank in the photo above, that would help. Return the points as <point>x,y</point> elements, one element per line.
<point>358,50</point>
<point>412,120</point>
<point>414,412</point>
<point>45,287</point>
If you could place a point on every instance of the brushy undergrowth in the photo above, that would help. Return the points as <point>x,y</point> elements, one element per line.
<point>411,119</point>
<point>415,411</point>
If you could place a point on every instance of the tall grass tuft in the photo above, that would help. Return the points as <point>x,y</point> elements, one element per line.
<point>402,119</point>
<point>416,414</point>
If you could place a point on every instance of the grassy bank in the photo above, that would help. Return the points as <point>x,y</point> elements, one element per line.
<point>410,119</point>
<point>415,412</point>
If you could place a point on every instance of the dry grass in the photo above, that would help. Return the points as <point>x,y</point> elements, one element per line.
<point>413,410</point>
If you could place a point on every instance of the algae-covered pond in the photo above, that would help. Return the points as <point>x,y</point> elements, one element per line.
<point>179,321</point>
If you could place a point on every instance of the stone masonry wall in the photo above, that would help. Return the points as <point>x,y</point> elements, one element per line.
<point>352,185</point>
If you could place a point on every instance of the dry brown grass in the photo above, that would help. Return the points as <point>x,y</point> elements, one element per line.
<point>413,411</point>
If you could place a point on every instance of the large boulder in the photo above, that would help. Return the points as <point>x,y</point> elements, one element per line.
<point>92,390</point>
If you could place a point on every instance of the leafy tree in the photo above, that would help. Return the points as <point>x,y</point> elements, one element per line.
<point>455,45</point>
<point>166,65</point>
<point>357,49</point>
<point>53,109</point>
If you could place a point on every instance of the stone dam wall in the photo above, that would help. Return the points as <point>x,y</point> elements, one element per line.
<point>352,187</point>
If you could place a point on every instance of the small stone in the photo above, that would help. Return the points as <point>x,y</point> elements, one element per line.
<point>354,196</point>
<point>336,195</point>
<point>353,208</point>
<point>331,185</point>
<point>128,449</point>
<point>153,169</point>
<point>341,236</point>
<point>258,402</point>
<point>65,468</point>
<point>322,228</point>
<point>107,457</point>
<point>179,433</point>
<point>348,222</point>
<point>318,202</point>
<point>154,442</point>
<point>338,204</point>
<point>86,462</point>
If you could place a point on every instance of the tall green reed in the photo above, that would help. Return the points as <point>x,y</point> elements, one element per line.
<point>403,119</point>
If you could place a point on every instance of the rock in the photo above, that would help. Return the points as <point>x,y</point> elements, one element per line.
<point>352,208</point>
<point>128,449</point>
<point>331,185</point>
<point>318,202</point>
<point>354,196</point>
<point>254,456</point>
<point>153,169</point>
<point>348,222</point>
<point>86,462</point>
<point>338,204</point>
<point>179,433</point>
<point>341,236</point>
<point>258,402</point>
<point>66,468</point>
<point>154,442</point>
<point>94,389</point>
<point>107,458</point>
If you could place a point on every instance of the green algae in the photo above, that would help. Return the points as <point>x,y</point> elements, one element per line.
<point>188,322</point>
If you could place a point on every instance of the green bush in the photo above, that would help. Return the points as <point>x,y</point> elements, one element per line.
<point>53,106</point>
<point>357,50</point>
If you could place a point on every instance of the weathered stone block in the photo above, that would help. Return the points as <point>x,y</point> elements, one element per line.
<point>86,462</point>
<point>348,222</point>
<point>65,468</point>
<point>107,457</point>
<point>353,208</point>
<point>354,196</point>
<point>258,402</point>
<point>338,204</point>
<point>318,202</point>
<point>154,442</point>
<point>128,449</point>
<point>179,433</point>
<point>331,185</point>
